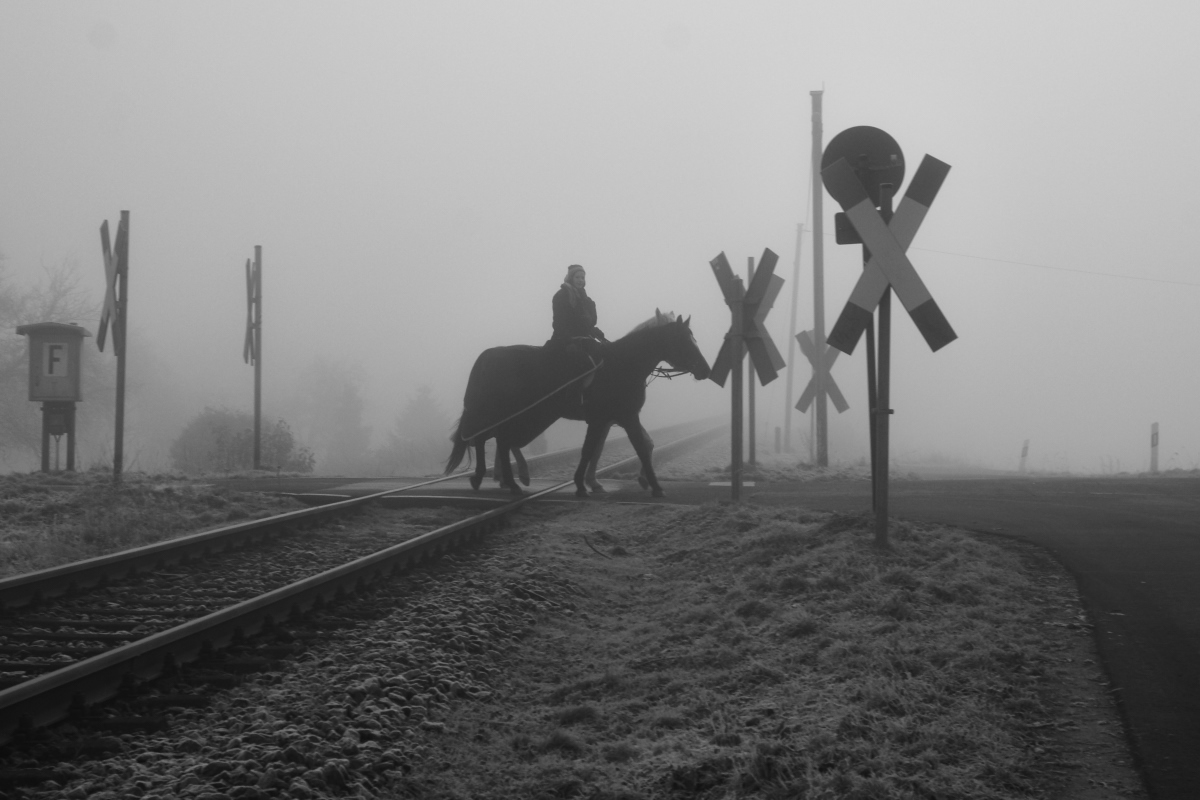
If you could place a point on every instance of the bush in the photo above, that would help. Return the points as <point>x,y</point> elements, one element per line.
<point>220,440</point>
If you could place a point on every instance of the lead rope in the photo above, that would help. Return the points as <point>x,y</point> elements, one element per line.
<point>595,366</point>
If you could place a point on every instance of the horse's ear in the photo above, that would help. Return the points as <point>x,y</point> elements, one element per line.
<point>687,323</point>
<point>658,317</point>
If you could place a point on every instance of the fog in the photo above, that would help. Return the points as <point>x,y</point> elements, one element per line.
<point>419,176</point>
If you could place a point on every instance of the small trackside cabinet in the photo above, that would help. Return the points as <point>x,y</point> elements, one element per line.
<point>54,360</point>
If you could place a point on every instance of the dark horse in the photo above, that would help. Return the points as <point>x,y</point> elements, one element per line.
<point>514,393</point>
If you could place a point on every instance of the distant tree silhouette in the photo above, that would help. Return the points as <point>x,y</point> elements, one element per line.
<point>328,406</point>
<point>418,442</point>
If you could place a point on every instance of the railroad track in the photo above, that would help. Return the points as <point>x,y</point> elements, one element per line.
<point>79,634</point>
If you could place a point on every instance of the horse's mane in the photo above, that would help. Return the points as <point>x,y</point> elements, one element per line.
<point>654,321</point>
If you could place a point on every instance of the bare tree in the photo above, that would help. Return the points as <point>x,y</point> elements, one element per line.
<point>58,297</point>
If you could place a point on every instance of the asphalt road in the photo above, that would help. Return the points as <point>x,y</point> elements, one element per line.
<point>1133,545</point>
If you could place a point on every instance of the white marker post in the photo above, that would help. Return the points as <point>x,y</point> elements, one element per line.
<point>1154,448</point>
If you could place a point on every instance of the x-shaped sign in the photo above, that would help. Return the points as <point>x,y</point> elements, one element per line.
<point>831,387</point>
<point>113,266</point>
<point>888,264</point>
<point>250,348</point>
<point>759,297</point>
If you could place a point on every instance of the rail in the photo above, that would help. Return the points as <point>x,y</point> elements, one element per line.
<point>49,698</point>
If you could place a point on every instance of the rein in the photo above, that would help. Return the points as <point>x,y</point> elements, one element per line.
<point>663,372</point>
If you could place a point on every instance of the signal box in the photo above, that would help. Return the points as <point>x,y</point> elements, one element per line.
<point>54,350</point>
<point>54,353</point>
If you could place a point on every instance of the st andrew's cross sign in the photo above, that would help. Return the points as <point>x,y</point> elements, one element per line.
<point>888,264</point>
<point>808,347</point>
<point>115,265</point>
<point>753,307</point>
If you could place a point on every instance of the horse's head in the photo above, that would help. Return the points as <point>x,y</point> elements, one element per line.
<point>684,354</point>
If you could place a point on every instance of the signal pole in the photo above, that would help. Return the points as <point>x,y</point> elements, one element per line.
<point>819,283</point>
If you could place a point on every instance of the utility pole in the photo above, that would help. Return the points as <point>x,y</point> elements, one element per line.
<point>787,406</point>
<point>819,283</point>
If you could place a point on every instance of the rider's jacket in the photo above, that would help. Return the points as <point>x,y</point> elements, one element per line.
<point>574,314</point>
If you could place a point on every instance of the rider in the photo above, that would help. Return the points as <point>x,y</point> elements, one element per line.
<point>576,338</point>
<point>575,314</point>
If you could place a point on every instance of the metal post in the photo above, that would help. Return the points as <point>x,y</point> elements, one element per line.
<point>258,356</point>
<point>872,402</point>
<point>735,465</point>
<point>883,399</point>
<point>787,406</point>
<point>70,409</point>
<point>45,437</point>
<point>819,284</point>
<point>750,422</point>
<point>119,330</point>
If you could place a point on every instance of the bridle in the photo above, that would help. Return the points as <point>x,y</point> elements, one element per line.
<point>665,372</point>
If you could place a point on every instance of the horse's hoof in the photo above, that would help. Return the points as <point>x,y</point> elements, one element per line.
<point>475,481</point>
<point>598,489</point>
<point>658,492</point>
<point>581,493</point>
<point>642,482</point>
<point>525,479</point>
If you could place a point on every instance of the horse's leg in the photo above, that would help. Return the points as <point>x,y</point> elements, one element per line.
<point>644,448</point>
<point>590,477</point>
<point>645,484</point>
<point>503,446</point>
<point>480,464</point>
<point>595,434</point>
<point>522,467</point>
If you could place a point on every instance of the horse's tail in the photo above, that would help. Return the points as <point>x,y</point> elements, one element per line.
<point>458,451</point>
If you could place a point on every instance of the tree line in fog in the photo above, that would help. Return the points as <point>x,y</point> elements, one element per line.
<point>320,427</point>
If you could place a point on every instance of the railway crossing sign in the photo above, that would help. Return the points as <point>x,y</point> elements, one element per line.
<point>253,288</point>
<point>887,243</point>
<point>749,312</point>
<point>115,264</point>
<point>807,346</point>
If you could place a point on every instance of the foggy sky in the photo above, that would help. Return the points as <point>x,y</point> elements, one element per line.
<point>419,176</point>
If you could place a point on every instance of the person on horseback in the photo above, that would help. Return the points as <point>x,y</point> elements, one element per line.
<point>576,340</point>
<point>575,313</point>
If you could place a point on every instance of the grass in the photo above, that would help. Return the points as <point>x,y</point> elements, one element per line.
<point>771,654</point>
<point>52,519</point>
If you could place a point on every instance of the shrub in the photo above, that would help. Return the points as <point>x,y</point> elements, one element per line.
<point>221,440</point>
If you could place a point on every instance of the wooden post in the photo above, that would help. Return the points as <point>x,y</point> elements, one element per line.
<point>737,346</point>
<point>120,345</point>
<point>751,458</point>
<point>258,329</point>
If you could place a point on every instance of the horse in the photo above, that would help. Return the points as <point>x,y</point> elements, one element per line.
<point>514,394</point>
<point>589,478</point>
